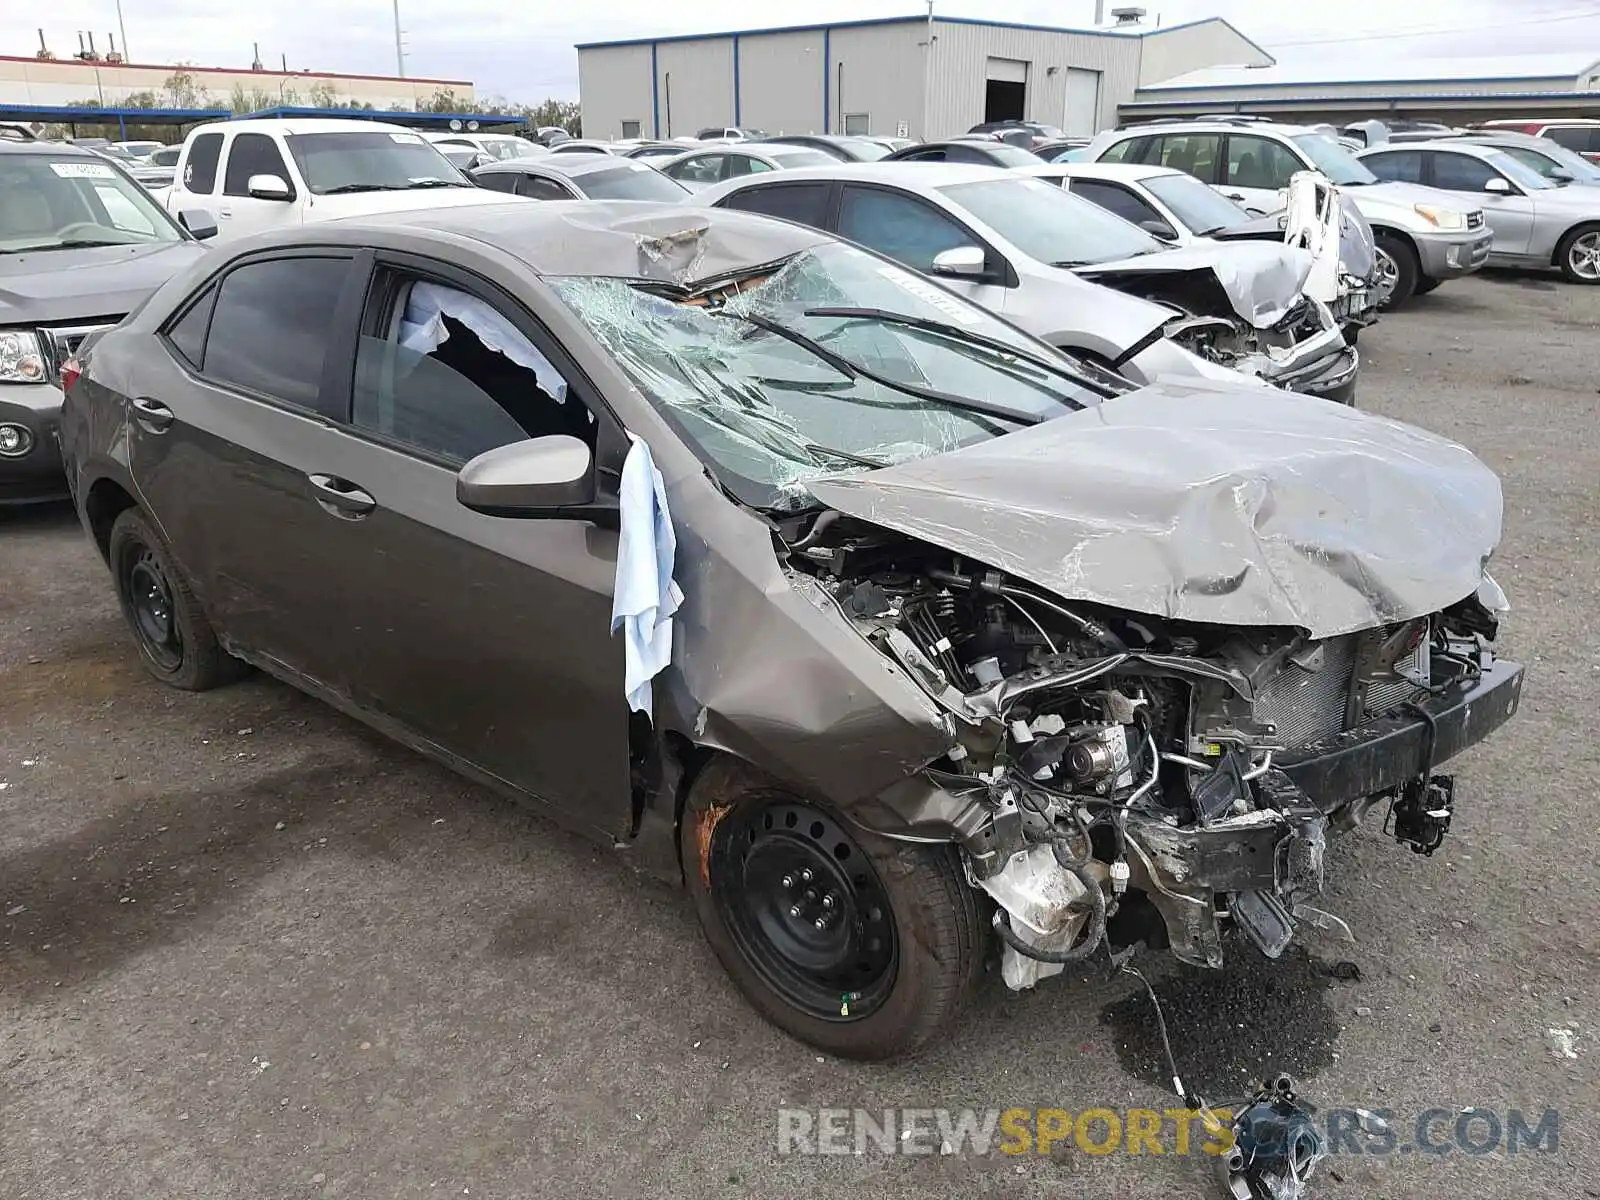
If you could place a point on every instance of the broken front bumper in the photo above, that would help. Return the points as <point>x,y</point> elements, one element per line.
<point>1270,861</point>
<point>1332,378</point>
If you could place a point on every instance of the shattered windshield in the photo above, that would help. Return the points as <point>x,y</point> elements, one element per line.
<point>770,414</point>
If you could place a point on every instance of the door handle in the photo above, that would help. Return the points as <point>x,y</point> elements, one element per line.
<point>152,415</point>
<point>224,212</point>
<point>340,497</point>
<point>1234,195</point>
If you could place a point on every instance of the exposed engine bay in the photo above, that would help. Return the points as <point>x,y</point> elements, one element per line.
<point>1131,778</point>
<point>1206,324</point>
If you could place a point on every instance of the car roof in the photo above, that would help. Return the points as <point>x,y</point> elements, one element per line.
<point>1458,144</point>
<point>43,147</point>
<point>1221,125</point>
<point>570,165</point>
<point>621,239</point>
<point>301,125</point>
<point>913,176</point>
<point>1116,172</point>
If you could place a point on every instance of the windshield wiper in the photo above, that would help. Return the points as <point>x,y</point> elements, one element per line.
<point>346,189</point>
<point>860,460</point>
<point>853,370</point>
<point>956,333</point>
<point>432,183</point>
<point>70,244</point>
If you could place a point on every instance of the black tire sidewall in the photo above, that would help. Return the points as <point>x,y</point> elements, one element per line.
<point>132,531</point>
<point>936,926</point>
<point>1564,254</point>
<point>1406,266</point>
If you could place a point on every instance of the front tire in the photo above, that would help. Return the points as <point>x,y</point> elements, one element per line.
<point>863,947</point>
<point>1397,263</point>
<point>1578,255</point>
<point>176,642</point>
<point>1425,285</point>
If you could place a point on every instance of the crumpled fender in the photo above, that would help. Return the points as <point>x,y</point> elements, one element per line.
<point>1263,282</point>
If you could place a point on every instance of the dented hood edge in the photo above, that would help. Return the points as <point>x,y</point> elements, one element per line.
<point>1263,281</point>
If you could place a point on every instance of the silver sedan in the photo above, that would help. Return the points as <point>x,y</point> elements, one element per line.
<point>1535,222</point>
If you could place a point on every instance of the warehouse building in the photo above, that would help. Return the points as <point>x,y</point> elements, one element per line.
<point>1329,88</point>
<point>923,77</point>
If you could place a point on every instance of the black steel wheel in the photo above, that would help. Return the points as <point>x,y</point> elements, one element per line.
<point>176,642</point>
<point>861,946</point>
<point>806,908</point>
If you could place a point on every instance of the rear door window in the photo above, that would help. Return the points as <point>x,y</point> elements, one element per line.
<point>1581,138</point>
<point>271,326</point>
<point>200,168</point>
<point>536,187</point>
<point>1128,150</point>
<point>805,203</point>
<point>1193,153</point>
<point>1399,166</point>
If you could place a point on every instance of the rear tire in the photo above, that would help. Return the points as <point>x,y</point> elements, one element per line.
<point>176,642</point>
<point>1578,255</point>
<point>1398,263</point>
<point>902,951</point>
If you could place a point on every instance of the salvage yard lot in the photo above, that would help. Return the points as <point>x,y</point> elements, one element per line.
<point>248,949</point>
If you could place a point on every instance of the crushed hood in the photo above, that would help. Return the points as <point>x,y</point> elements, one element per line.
<point>44,287</point>
<point>1262,281</point>
<point>1205,502</point>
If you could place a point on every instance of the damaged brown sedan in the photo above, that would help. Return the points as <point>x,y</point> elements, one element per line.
<point>971,640</point>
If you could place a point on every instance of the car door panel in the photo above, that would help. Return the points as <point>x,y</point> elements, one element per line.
<point>246,156</point>
<point>1253,171</point>
<point>489,637</point>
<point>1510,217</point>
<point>228,477</point>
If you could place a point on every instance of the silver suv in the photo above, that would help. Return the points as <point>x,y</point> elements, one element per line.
<point>1423,236</point>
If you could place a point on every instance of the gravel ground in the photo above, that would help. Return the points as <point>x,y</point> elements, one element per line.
<point>248,949</point>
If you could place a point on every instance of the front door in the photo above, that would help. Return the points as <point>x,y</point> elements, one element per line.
<point>1255,172</point>
<point>247,156</point>
<point>913,232</point>
<point>488,636</point>
<point>1510,216</point>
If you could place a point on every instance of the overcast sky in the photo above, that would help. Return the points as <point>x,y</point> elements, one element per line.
<point>520,51</point>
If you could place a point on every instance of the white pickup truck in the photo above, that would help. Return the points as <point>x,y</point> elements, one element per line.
<point>263,173</point>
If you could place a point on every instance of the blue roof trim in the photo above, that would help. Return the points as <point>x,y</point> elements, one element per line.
<point>366,114</point>
<point>1242,103</point>
<point>88,115</point>
<point>820,27</point>
<point>1371,83</point>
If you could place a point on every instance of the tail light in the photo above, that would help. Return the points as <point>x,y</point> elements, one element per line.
<point>70,370</point>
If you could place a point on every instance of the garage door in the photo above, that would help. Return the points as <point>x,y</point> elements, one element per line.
<point>1007,70</point>
<point>1083,103</point>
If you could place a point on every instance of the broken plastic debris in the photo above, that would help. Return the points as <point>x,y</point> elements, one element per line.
<point>16,910</point>
<point>1562,1042</point>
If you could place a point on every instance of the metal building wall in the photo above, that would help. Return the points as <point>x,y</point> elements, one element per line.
<point>780,81</point>
<point>960,61</point>
<point>695,82</point>
<point>614,86</point>
<point>1168,53</point>
<point>876,71</point>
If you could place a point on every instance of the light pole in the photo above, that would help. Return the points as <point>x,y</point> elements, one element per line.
<point>399,52</point>
<point>122,31</point>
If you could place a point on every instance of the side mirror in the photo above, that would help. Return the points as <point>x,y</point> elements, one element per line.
<point>1499,186</point>
<point>269,187</point>
<point>199,222</point>
<point>551,476</point>
<point>1561,176</point>
<point>1158,228</point>
<point>961,262</point>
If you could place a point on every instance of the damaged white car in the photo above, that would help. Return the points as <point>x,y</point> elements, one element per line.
<point>929,638</point>
<point>1023,248</point>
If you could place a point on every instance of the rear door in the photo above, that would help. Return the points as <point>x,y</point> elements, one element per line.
<point>227,442</point>
<point>195,183</point>
<point>249,156</point>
